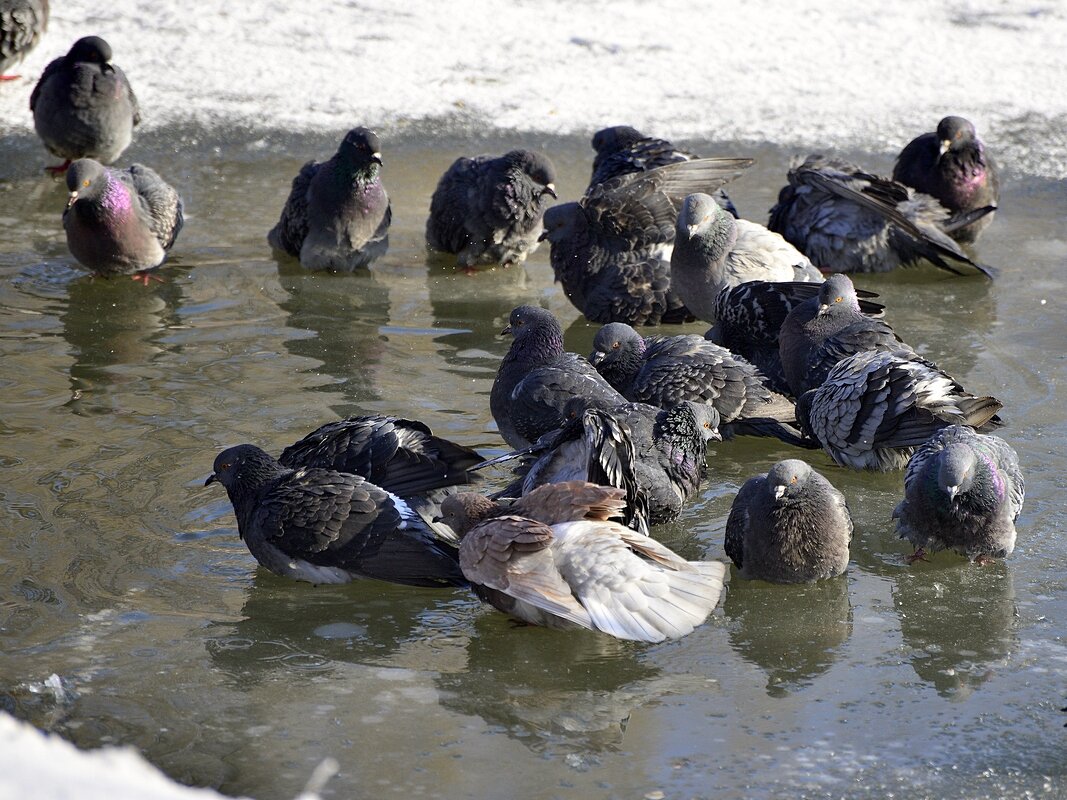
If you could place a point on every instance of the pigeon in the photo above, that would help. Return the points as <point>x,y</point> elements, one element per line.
<point>611,249</point>
<point>789,526</point>
<point>826,329</point>
<point>324,526</point>
<point>586,572</point>
<point>749,317</point>
<point>401,456</point>
<point>876,407</point>
<point>963,490</point>
<point>712,251</point>
<point>848,220</point>
<point>622,150</point>
<point>537,377</point>
<point>83,106</point>
<point>487,210</point>
<point>657,456</point>
<point>951,165</point>
<point>120,221</point>
<point>22,24</point>
<point>337,214</point>
<point>665,370</point>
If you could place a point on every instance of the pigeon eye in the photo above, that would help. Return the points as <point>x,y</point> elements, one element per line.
<point>707,424</point>
<point>837,299</point>
<point>793,479</point>
<point>615,346</point>
<point>85,183</point>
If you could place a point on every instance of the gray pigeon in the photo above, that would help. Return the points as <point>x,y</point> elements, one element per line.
<point>622,150</point>
<point>826,329</point>
<point>337,214</point>
<point>876,407</point>
<point>83,106</point>
<point>584,573</point>
<point>488,210</point>
<point>789,526</point>
<point>749,318</point>
<point>611,250</point>
<point>323,526</point>
<point>963,491</point>
<point>120,221</point>
<point>951,165</point>
<point>848,220</point>
<point>713,251</point>
<point>665,370</point>
<point>537,378</point>
<point>22,24</point>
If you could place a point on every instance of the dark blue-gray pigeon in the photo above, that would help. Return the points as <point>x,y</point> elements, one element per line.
<point>611,250</point>
<point>337,214</point>
<point>622,150</point>
<point>586,572</point>
<point>537,377</point>
<point>83,106</point>
<point>789,526</point>
<point>951,164</point>
<point>749,318</point>
<point>826,329</point>
<point>324,526</point>
<point>963,491</point>
<point>488,210</point>
<point>665,370</point>
<point>401,456</point>
<point>848,220</point>
<point>22,24</point>
<point>876,407</point>
<point>120,221</point>
<point>713,251</point>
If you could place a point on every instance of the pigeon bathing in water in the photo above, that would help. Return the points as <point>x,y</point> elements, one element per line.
<point>488,210</point>
<point>951,165</point>
<point>622,150</point>
<point>537,378</point>
<point>713,251</point>
<point>83,106</point>
<point>665,370</point>
<point>585,572</point>
<point>611,250</point>
<point>962,491</point>
<point>848,220</point>
<point>323,526</point>
<point>789,526</point>
<point>337,214</point>
<point>22,24</point>
<point>876,407</point>
<point>120,221</point>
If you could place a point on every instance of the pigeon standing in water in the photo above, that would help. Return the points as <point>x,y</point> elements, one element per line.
<point>951,164</point>
<point>713,251</point>
<point>963,491</point>
<point>83,106</point>
<point>488,210</point>
<point>789,526</point>
<point>622,150</point>
<point>22,24</point>
<point>848,220</point>
<point>337,214</point>
<point>323,526</point>
<point>120,221</point>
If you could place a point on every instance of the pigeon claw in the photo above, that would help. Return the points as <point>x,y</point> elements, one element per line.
<point>144,276</point>
<point>58,170</point>
<point>10,77</point>
<point>984,560</point>
<point>918,555</point>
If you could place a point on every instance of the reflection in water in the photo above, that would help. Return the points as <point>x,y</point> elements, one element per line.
<point>959,623</point>
<point>111,322</point>
<point>793,632</point>
<point>345,314</point>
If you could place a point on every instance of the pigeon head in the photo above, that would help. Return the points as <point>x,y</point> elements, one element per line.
<point>707,420</point>
<point>615,138</point>
<point>837,293</point>
<point>463,510</point>
<point>90,49</point>
<point>361,148</point>
<point>954,133</point>
<point>700,217</point>
<point>242,468</point>
<point>86,179</point>
<point>956,469</point>
<point>529,320</point>
<point>617,352</point>
<point>787,478</point>
<point>562,222</point>
<point>537,166</point>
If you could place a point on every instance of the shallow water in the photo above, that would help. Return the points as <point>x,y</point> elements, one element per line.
<point>124,576</point>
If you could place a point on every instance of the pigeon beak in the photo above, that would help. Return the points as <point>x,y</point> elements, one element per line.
<point>543,236</point>
<point>212,478</point>
<point>691,230</point>
<point>945,145</point>
<point>824,308</point>
<point>952,491</point>
<point>715,436</point>
<point>779,490</point>
<point>506,331</point>
<point>597,357</point>
<point>550,189</point>
<point>376,158</point>
<point>72,199</point>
